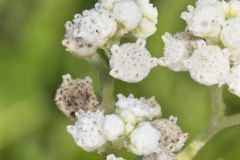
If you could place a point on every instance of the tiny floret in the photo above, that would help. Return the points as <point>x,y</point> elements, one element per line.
<point>209,65</point>
<point>113,157</point>
<point>75,94</point>
<point>88,130</point>
<point>131,62</point>
<point>144,139</point>
<point>113,127</point>
<point>161,155</point>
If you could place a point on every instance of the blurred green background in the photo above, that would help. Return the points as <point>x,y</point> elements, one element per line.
<point>32,61</point>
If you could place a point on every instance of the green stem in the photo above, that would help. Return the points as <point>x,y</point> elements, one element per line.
<point>106,81</point>
<point>218,122</point>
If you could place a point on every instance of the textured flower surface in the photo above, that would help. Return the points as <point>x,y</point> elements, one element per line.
<point>88,130</point>
<point>113,157</point>
<point>161,155</point>
<point>131,62</point>
<point>234,80</point>
<point>144,139</point>
<point>75,94</point>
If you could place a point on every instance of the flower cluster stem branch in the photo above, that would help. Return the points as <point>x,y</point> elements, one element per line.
<point>218,122</point>
<point>106,82</point>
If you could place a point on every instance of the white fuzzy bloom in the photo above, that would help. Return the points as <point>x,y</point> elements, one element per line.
<point>108,4</point>
<point>113,157</point>
<point>234,80</point>
<point>230,35</point>
<point>209,65</point>
<point>149,11</point>
<point>145,29</point>
<point>133,110</point>
<point>161,155</point>
<point>113,127</point>
<point>131,62</point>
<point>172,138</point>
<point>234,8</point>
<point>128,13</point>
<point>234,55</point>
<point>95,26</point>
<point>144,139</point>
<point>75,45</point>
<point>205,19</point>
<point>88,130</point>
<point>178,48</point>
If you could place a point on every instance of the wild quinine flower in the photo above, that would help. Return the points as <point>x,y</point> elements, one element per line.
<point>210,50</point>
<point>112,157</point>
<point>131,62</point>
<point>75,94</point>
<point>88,130</point>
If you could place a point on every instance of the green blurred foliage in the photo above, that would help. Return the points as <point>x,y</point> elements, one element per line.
<point>32,62</point>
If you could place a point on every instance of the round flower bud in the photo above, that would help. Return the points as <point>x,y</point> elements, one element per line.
<point>172,137</point>
<point>234,80</point>
<point>112,157</point>
<point>108,4</point>
<point>230,35</point>
<point>87,131</point>
<point>205,20</point>
<point>133,110</point>
<point>144,139</point>
<point>209,65</point>
<point>113,127</point>
<point>96,26</point>
<point>131,62</point>
<point>145,29</point>
<point>75,94</point>
<point>128,13</point>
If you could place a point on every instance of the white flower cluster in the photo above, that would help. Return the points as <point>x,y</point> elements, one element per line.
<point>137,123</point>
<point>210,47</point>
<point>104,27</point>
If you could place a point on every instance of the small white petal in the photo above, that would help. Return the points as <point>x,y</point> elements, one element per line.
<point>113,157</point>
<point>128,13</point>
<point>230,35</point>
<point>149,11</point>
<point>144,139</point>
<point>131,62</point>
<point>87,131</point>
<point>234,80</point>
<point>145,29</point>
<point>209,65</point>
<point>113,127</point>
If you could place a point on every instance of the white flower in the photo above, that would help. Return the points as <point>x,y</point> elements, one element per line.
<point>230,35</point>
<point>75,45</point>
<point>235,55</point>
<point>172,137</point>
<point>131,62</point>
<point>113,157</point>
<point>234,80</point>
<point>133,110</point>
<point>144,139</point>
<point>205,19</point>
<point>113,127</point>
<point>209,65</point>
<point>145,29</point>
<point>128,13</point>
<point>95,26</point>
<point>161,155</point>
<point>75,94</point>
<point>234,8</point>
<point>149,11</point>
<point>178,48</point>
<point>108,4</point>
<point>87,131</point>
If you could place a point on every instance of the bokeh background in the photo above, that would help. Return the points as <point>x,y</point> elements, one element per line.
<point>32,61</point>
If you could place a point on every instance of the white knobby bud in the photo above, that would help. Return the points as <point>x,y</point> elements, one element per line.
<point>209,65</point>
<point>128,13</point>
<point>113,157</point>
<point>75,94</point>
<point>96,26</point>
<point>234,80</point>
<point>144,139</point>
<point>149,11</point>
<point>108,4</point>
<point>205,19</point>
<point>178,48</point>
<point>133,110</point>
<point>131,62</point>
<point>230,35</point>
<point>172,138</point>
<point>88,130</point>
<point>145,29</point>
<point>113,127</point>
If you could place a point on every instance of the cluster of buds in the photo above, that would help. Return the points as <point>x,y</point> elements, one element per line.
<point>135,124</point>
<point>210,46</point>
<point>106,26</point>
